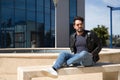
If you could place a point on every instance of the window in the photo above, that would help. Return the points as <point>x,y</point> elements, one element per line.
<point>19,39</point>
<point>73,13</point>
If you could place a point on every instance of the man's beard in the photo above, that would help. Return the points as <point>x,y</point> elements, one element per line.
<point>80,30</point>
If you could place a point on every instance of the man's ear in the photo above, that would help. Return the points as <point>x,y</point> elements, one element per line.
<point>74,26</point>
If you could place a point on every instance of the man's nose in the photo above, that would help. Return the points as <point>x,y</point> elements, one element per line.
<point>79,26</point>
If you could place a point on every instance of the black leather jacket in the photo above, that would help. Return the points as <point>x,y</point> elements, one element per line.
<point>93,44</point>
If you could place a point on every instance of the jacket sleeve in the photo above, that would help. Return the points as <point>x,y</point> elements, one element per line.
<point>97,49</point>
<point>93,45</point>
<point>98,44</point>
<point>72,41</point>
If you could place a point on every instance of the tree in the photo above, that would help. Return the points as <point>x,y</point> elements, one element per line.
<point>102,33</point>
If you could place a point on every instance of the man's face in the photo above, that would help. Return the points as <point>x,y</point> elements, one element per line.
<point>78,26</point>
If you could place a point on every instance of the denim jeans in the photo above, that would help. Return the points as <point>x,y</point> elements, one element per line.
<point>83,58</point>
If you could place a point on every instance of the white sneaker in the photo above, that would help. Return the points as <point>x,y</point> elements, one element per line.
<point>50,72</point>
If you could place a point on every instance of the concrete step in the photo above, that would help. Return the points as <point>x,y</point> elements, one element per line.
<point>109,71</point>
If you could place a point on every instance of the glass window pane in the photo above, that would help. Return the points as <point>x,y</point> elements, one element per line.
<point>31,5</point>
<point>20,4</point>
<point>40,17</point>
<point>7,3</point>
<point>20,27</point>
<point>40,11</point>
<point>47,3</point>
<point>73,9</point>
<point>52,17</point>
<point>7,23</point>
<point>19,39</point>
<point>7,16</point>
<point>30,16</point>
<point>73,13</point>
<point>40,5</point>
<point>19,16</point>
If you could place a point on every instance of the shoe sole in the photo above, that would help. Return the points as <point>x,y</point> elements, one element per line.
<point>48,74</point>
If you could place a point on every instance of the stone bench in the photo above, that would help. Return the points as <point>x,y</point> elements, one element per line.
<point>109,71</point>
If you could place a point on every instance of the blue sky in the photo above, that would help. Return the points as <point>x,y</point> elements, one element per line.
<point>97,13</point>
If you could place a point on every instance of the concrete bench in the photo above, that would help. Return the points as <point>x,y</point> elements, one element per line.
<point>109,71</point>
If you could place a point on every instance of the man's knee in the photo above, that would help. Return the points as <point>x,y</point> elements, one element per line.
<point>84,52</point>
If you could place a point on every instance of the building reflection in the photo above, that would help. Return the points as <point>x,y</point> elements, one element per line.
<point>24,21</point>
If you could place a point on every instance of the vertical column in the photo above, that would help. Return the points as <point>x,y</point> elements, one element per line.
<point>81,8</point>
<point>62,23</point>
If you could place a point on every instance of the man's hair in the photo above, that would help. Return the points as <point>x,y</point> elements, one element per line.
<point>78,18</point>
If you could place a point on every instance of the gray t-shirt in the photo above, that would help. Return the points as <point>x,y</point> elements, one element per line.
<point>80,43</point>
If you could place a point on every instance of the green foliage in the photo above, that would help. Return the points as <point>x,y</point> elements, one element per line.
<point>102,33</point>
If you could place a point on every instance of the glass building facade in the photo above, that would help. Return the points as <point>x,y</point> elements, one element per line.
<point>24,23</point>
<point>72,13</point>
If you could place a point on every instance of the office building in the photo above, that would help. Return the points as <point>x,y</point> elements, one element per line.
<point>31,23</point>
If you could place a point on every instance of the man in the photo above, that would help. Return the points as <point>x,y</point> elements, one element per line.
<point>84,45</point>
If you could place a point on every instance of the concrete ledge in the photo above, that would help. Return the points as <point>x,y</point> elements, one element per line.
<point>31,50</point>
<point>30,55</point>
<point>47,50</point>
<point>104,51</point>
<point>27,73</point>
<point>113,53</point>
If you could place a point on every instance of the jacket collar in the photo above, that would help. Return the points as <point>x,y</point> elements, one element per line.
<point>84,33</point>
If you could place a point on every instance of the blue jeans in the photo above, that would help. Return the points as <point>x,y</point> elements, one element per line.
<point>83,58</point>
